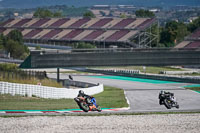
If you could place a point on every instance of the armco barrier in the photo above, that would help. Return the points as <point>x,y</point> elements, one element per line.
<point>79,84</point>
<point>44,91</point>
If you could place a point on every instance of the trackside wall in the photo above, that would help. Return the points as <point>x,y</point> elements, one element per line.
<point>44,91</point>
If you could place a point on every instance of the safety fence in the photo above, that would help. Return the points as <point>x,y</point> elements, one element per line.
<point>44,91</point>
<point>20,74</point>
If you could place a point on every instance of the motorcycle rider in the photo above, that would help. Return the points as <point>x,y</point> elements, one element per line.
<point>89,99</point>
<point>165,93</point>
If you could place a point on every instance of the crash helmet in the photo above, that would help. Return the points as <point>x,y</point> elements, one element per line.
<point>81,92</point>
<point>162,92</point>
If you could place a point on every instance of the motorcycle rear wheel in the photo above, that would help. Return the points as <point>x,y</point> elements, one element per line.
<point>84,107</point>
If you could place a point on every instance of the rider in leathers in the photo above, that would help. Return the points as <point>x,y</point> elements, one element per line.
<point>87,97</point>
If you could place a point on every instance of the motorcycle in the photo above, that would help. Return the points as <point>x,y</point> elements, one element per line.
<point>168,100</point>
<point>87,106</point>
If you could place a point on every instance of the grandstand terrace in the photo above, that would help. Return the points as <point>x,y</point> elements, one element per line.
<point>191,41</point>
<point>66,30</point>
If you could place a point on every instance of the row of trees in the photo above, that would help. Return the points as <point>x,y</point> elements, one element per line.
<point>13,44</point>
<point>45,13</point>
<point>144,13</point>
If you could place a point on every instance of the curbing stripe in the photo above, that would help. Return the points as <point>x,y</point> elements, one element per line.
<point>127,100</point>
<point>58,111</point>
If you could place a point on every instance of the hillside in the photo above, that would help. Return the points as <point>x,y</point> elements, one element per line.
<point>78,3</point>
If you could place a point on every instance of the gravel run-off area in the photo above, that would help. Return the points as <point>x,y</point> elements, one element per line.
<point>165,123</point>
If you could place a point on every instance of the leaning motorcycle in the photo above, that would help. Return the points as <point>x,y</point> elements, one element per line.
<point>85,106</point>
<point>166,99</point>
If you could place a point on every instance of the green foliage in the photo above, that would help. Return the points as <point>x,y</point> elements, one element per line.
<point>154,31</point>
<point>16,49</point>
<point>173,33</point>
<point>144,13</point>
<point>8,67</point>
<point>2,41</point>
<point>89,14</point>
<point>194,25</point>
<point>15,35</point>
<point>45,13</point>
<point>84,45</point>
<point>123,15</point>
<point>57,14</point>
<point>38,48</point>
<point>110,98</point>
<point>13,44</point>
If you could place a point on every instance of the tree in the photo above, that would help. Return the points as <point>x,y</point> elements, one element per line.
<point>45,13</point>
<point>89,14</point>
<point>15,35</point>
<point>173,33</point>
<point>123,15</point>
<point>2,41</point>
<point>42,13</point>
<point>144,13</point>
<point>57,14</point>
<point>13,44</point>
<point>194,25</point>
<point>84,45</point>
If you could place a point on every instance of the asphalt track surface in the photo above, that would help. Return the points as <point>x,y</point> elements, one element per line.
<point>143,96</point>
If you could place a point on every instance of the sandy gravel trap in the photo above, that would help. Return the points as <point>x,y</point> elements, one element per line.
<point>167,123</point>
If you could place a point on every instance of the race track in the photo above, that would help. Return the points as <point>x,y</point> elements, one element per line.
<point>143,95</point>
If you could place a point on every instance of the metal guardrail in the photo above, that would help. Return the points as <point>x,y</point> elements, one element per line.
<point>108,50</point>
<point>6,60</point>
<point>67,83</point>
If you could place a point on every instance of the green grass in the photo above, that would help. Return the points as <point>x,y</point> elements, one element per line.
<point>71,72</point>
<point>193,88</point>
<point>154,70</point>
<point>110,98</point>
<point>33,81</point>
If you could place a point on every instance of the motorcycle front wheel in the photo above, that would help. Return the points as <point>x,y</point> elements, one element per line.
<point>99,109</point>
<point>167,104</point>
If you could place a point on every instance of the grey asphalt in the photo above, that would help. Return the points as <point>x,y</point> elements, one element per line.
<point>144,96</point>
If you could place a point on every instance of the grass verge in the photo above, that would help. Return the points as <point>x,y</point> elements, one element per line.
<point>155,70</point>
<point>34,81</point>
<point>194,88</point>
<point>110,98</point>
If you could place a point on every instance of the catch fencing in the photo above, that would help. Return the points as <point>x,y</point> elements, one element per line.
<point>44,91</point>
<point>20,74</point>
